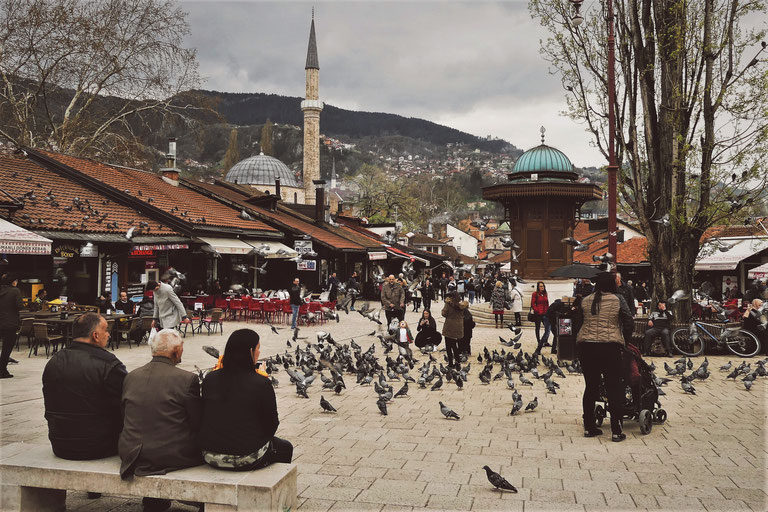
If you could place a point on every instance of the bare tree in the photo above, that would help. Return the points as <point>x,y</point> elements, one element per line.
<point>266,139</point>
<point>84,77</point>
<point>232,155</point>
<point>691,127</point>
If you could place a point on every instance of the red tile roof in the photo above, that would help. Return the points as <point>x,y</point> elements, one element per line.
<point>290,220</point>
<point>183,203</point>
<point>73,207</point>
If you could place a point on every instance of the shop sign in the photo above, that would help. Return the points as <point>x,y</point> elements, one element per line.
<point>306,265</point>
<point>66,251</point>
<point>110,269</point>
<point>729,282</point>
<point>134,290</point>
<point>302,246</point>
<point>141,253</point>
<point>377,255</point>
<point>150,264</point>
<point>160,247</point>
<point>89,251</point>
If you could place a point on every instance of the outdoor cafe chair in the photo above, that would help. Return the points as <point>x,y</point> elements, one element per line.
<point>127,328</point>
<point>215,319</point>
<point>193,320</point>
<point>25,329</point>
<point>254,309</point>
<point>40,330</point>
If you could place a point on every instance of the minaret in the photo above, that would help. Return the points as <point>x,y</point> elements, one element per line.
<point>311,106</point>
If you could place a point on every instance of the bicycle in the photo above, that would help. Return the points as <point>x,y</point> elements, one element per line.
<point>691,341</point>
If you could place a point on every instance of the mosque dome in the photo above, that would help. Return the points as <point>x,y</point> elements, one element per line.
<point>261,170</point>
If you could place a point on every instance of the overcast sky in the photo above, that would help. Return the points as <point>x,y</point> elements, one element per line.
<point>472,66</point>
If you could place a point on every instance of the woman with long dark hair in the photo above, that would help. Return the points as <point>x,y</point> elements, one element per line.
<point>240,410</point>
<point>539,306</point>
<point>599,345</point>
<point>427,331</point>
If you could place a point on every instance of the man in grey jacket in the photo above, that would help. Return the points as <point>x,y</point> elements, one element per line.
<point>169,311</point>
<point>393,300</point>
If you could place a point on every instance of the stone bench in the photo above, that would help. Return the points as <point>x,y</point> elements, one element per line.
<point>34,479</point>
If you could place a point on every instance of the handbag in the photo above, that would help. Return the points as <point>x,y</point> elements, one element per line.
<point>531,315</point>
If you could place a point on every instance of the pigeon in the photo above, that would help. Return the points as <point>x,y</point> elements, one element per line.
<point>437,385</point>
<point>129,234</point>
<point>326,405</point>
<point>748,385</point>
<point>532,404</point>
<point>382,406</point>
<point>498,481</point>
<point>688,388</point>
<point>524,380</point>
<point>664,221</point>
<point>726,367</point>
<point>516,406</point>
<point>448,412</point>
<point>677,296</point>
<point>577,245</point>
<point>403,391</point>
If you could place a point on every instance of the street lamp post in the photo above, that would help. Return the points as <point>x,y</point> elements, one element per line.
<point>613,165</point>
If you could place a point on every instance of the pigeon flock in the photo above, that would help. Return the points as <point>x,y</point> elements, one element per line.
<point>394,371</point>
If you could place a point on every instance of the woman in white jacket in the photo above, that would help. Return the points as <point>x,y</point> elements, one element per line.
<point>516,297</point>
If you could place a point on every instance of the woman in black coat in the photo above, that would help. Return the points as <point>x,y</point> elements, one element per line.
<point>240,411</point>
<point>427,331</point>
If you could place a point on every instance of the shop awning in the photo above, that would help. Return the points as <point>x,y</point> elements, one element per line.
<point>226,245</point>
<point>729,260</point>
<point>17,240</point>
<point>402,254</point>
<point>758,272</point>
<point>274,249</point>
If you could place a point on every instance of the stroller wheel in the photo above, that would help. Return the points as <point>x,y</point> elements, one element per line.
<point>645,420</point>
<point>599,415</point>
<point>660,416</point>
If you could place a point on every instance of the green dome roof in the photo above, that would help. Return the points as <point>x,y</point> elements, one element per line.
<point>543,158</point>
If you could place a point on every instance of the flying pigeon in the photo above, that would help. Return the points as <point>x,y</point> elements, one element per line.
<point>664,221</point>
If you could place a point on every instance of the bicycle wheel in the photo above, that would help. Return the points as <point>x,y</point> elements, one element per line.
<point>686,343</point>
<point>743,343</point>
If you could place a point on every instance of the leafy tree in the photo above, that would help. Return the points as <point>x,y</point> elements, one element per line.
<point>379,195</point>
<point>83,76</point>
<point>691,106</point>
<point>266,138</point>
<point>232,156</point>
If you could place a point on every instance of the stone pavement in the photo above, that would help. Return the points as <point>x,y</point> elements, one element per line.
<point>710,454</point>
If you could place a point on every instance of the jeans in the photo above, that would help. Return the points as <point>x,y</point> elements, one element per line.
<point>452,350</point>
<point>602,359</point>
<point>471,297</point>
<point>427,303</point>
<point>416,303</point>
<point>539,320</point>
<point>294,316</point>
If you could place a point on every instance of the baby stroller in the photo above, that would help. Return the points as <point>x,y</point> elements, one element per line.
<point>642,396</point>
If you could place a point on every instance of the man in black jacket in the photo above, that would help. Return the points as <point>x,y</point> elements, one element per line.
<point>353,290</point>
<point>294,292</point>
<point>625,291</point>
<point>82,386</point>
<point>659,323</point>
<point>10,305</point>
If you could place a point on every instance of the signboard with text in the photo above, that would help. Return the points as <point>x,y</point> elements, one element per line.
<point>306,265</point>
<point>302,246</point>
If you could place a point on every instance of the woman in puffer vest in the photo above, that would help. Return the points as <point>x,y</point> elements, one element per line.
<point>599,343</point>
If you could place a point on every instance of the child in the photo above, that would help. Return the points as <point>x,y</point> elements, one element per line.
<point>404,334</point>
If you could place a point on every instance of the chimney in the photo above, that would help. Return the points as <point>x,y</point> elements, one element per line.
<point>169,172</point>
<point>340,209</point>
<point>277,187</point>
<point>319,200</point>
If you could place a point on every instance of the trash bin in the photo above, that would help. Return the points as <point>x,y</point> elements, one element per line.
<point>565,336</point>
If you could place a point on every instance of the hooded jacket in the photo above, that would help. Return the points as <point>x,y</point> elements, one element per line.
<point>10,305</point>
<point>454,319</point>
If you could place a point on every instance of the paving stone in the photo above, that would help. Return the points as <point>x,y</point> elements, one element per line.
<point>444,502</point>
<point>387,497</point>
<point>354,482</point>
<point>443,489</point>
<point>553,496</point>
<point>323,492</point>
<point>723,505</point>
<point>491,504</point>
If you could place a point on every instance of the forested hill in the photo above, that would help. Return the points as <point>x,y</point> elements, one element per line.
<point>256,108</point>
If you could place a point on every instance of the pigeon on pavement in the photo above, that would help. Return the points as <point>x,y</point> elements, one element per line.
<point>498,481</point>
<point>532,404</point>
<point>326,405</point>
<point>448,412</point>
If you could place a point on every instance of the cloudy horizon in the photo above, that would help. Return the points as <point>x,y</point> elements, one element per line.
<point>474,67</point>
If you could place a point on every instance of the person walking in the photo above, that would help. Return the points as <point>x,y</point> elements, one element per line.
<point>498,301</point>
<point>453,328</point>
<point>516,298</point>
<point>10,305</point>
<point>539,307</point>
<point>169,311</point>
<point>471,290</point>
<point>461,286</point>
<point>427,293</point>
<point>353,290</point>
<point>466,340</point>
<point>604,317</point>
<point>393,300</point>
<point>416,298</point>
<point>333,285</point>
<point>294,293</point>
<point>443,286</point>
